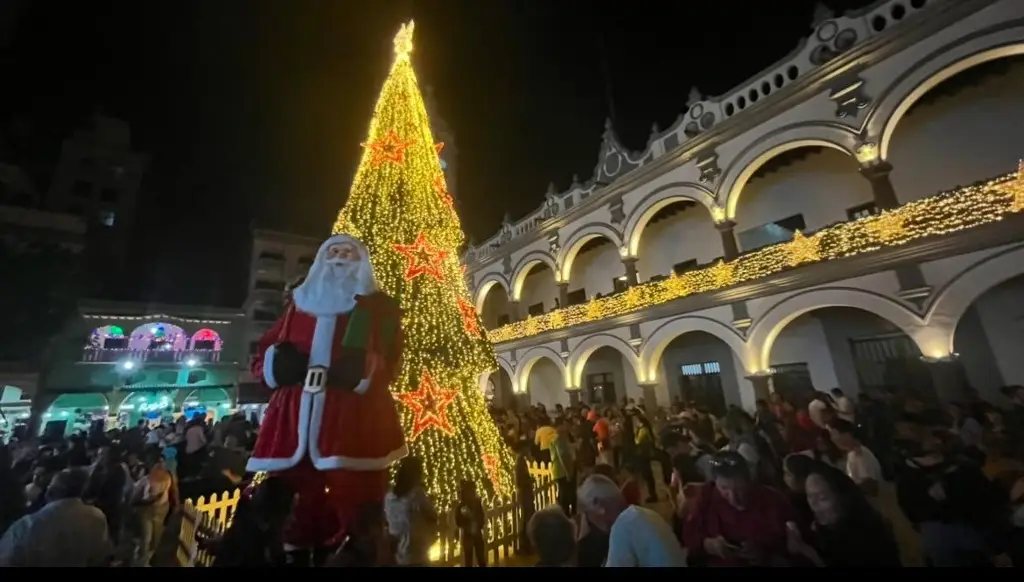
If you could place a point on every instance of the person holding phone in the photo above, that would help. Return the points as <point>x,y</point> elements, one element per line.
<point>734,521</point>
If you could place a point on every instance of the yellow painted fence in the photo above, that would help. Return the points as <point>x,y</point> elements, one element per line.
<point>505,523</point>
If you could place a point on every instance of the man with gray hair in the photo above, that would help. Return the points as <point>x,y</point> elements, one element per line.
<point>638,537</point>
<point>553,535</point>
<point>65,533</point>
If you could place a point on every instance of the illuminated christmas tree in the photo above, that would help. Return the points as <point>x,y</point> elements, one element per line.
<point>399,206</point>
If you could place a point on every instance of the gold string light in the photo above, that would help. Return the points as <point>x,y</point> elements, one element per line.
<point>938,215</point>
<point>394,203</point>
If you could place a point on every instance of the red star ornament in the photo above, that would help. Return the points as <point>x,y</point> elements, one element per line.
<point>442,192</point>
<point>429,405</point>
<point>470,322</point>
<point>421,257</point>
<point>439,147</point>
<point>491,466</point>
<point>388,148</point>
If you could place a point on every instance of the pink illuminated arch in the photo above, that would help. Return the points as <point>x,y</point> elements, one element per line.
<point>206,339</point>
<point>158,336</point>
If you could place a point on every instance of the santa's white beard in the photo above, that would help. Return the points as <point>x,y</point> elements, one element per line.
<point>332,288</point>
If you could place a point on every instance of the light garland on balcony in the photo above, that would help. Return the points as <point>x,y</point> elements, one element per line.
<point>941,214</point>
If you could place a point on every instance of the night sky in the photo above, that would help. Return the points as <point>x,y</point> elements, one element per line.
<point>253,110</point>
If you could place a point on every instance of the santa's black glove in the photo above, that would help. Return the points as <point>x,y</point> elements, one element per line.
<point>347,369</point>
<point>289,365</point>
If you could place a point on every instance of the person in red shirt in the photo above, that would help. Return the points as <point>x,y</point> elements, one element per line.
<point>735,522</point>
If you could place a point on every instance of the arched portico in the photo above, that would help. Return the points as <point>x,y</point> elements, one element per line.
<point>531,357</point>
<point>579,356</point>
<point>523,268</point>
<point>768,327</point>
<point>941,64</point>
<point>485,285</point>
<point>958,295</point>
<point>829,135</point>
<point>656,200</point>
<point>575,242</point>
<point>654,347</point>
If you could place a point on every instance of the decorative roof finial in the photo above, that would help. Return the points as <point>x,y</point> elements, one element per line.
<point>608,124</point>
<point>551,189</point>
<point>694,97</point>
<point>403,40</point>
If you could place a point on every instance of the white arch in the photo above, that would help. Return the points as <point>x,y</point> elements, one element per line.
<point>941,64</point>
<point>484,286</point>
<point>504,365</point>
<point>579,356</point>
<point>772,322</point>
<point>656,200</point>
<point>575,242</point>
<point>523,268</point>
<point>526,362</point>
<point>654,347</point>
<point>959,294</point>
<point>829,135</point>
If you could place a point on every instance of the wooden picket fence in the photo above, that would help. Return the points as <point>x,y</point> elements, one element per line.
<point>504,524</point>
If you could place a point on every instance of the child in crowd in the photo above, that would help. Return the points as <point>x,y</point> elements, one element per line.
<point>469,517</point>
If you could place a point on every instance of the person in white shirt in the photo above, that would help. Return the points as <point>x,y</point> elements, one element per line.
<point>65,533</point>
<point>638,537</point>
<point>818,408</point>
<point>861,464</point>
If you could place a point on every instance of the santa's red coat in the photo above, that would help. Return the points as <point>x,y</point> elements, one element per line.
<point>336,428</point>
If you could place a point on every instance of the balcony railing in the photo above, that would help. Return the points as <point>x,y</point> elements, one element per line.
<point>154,356</point>
<point>937,215</point>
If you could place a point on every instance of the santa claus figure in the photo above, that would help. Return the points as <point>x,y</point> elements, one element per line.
<point>331,428</point>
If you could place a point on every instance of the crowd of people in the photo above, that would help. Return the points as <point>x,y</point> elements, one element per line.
<point>824,481</point>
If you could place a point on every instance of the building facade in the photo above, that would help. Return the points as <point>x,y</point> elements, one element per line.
<point>276,260</point>
<point>125,362</point>
<point>822,225</point>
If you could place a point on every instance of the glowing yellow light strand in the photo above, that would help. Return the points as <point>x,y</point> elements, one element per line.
<point>937,215</point>
<point>391,204</point>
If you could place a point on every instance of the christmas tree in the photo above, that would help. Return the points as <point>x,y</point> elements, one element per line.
<point>399,206</point>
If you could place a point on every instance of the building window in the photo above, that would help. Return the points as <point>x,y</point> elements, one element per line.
<point>771,233</point>
<point>504,320</point>
<point>536,309</point>
<point>106,218</point>
<point>619,284</point>
<point>81,189</point>
<point>683,267</point>
<point>576,297</point>
<point>701,384</point>
<point>701,369</point>
<point>861,211</point>
<point>601,388</point>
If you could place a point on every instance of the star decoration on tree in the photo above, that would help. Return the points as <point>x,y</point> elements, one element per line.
<point>422,257</point>
<point>389,148</point>
<point>439,147</point>
<point>469,319</point>
<point>429,405</point>
<point>442,191</point>
<point>491,466</point>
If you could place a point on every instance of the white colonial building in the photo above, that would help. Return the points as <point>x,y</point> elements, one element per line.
<point>813,227</point>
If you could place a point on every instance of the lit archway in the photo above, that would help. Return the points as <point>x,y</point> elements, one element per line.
<point>528,359</point>
<point>567,255</point>
<point>108,334</point>
<point>207,403</point>
<point>749,160</point>
<point>525,266</point>
<point>485,285</point>
<point>76,411</point>
<point>579,356</point>
<point>206,339</point>
<point>158,336</point>
<point>149,406</point>
<point>657,342</point>
<point>954,58</point>
<point>658,199</point>
<point>768,327</point>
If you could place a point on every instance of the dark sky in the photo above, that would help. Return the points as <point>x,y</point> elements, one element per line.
<point>253,110</point>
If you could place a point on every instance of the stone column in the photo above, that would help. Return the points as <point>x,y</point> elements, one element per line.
<point>649,390</point>
<point>762,385</point>
<point>515,313</point>
<point>949,379</point>
<point>631,277</point>
<point>563,294</point>
<point>522,401</point>
<point>574,396</point>
<point>881,186</point>
<point>730,249</point>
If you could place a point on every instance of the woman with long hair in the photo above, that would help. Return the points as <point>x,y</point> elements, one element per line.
<point>412,520</point>
<point>842,514</point>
